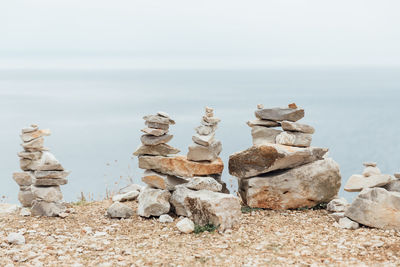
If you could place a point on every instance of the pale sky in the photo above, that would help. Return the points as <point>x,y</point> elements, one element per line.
<point>198,34</point>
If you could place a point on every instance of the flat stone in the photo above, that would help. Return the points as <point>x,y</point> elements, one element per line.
<point>49,181</point>
<point>131,187</point>
<point>16,239</point>
<point>297,127</point>
<point>204,183</point>
<point>294,139</point>
<point>357,182</point>
<point>158,119</point>
<point>397,175</point>
<point>165,218</point>
<point>371,171</point>
<point>304,186</point>
<point>158,150</point>
<point>47,162</point>
<point>280,114</point>
<point>346,223</point>
<point>29,129</point>
<point>337,205</point>
<point>118,210</point>
<point>185,226</point>
<point>204,153</point>
<point>180,166</point>
<point>163,114</point>
<point>211,120</point>
<point>51,174</point>
<point>6,208</point>
<point>155,132</point>
<point>370,164</point>
<point>266,158</point>
<point>161,181</point>
<point>34,145</point>
<point>265,123</point>
<point>26,137</point>
<point>205,130</point>
<point>153,202</point>
<point>25,212</point>
<point>264,135</point>
<point>337,216</point>
<point>47,193</point>
<point>204,140</point>
<point>49,209</point>
<point>23,178</point>
<point>376,207</point>
<point>207,207</point>
<point>393,186</point>
<point>128,196</point>
<point>30,155</point>
<point>151,140</point>
<point>155,125</point>
<point>26,197</point>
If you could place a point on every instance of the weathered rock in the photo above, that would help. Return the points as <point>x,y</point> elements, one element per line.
<point>156,125</point>
<point>153,202</point>
<point>211,120</point>
<point>49,181</point>
<point>294,139</point>
<point>49,209</point>
<point>297,127</point>
<point>266,158</point>
<point>280,114</point>
<point>25,212</point>
<point>178,200</point>
<point>371,171</point>
<point>23,178</point>
<point>357,182</point>
<point>29,129</point>
<point>204,183</point>
<point>131,187</point>
<point>205,130</point>
<point>346,223</point>
<point>30,155</point>
<point>161,181</point>
<point>337,205</point>
<point>155,132</point>
<point>369,164</point>
<point>337,216</point>
<point>265,123</point>
<point>119,210</point>
<point>303,186</point>
<point>47,193</point>
<point>180,166</point>
<point>26,197</point>
<point>16,239</point>
<point>51,174</point>
<point>397,175</point>
<point>165,218</point>
<point>204,140</point>
<point>204,153</point>
<point>128,196</point>
<point>151,140</point>
<point>163,114</point>
<point>6,208</point>
<point>376,207</point>
<point>185,226</point>
<point>158,150</point>
<point>34,145</point>
<point>158,119</point>
<point>27,137</point>
<point>47,162</point>
<point>264,135</point>
<point>393,186</point>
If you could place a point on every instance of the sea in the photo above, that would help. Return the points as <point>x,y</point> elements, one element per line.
<point>95,117</point>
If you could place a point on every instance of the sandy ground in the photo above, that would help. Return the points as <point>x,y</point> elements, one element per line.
<point>263,238</point>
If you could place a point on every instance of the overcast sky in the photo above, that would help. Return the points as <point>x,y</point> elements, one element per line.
<point>198,34</point>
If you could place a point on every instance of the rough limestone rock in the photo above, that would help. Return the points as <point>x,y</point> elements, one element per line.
<point>49,209</point>
<point>266,123</point>
<point>180,166</point>
<point>157,125</point>
<point>49,182</point>
<point>280,114</point>
<point>204,183</point>
<point>337,216</point>
<point>376,207</point>
<point>161,181</point>
<point>303,186</point>
<point>151,140</point>
<point>26,137</point>
<point>51,174</point>
<point>16,239</point>
<point>26,197</point>
<point>371,171</point>
<point>158,119</point>
<point>297,127</point>
<point>23,178</point>
<point>294,139</point>
<point>34,145</point>
<point>337,205</point>
<point>131,187</point>
<point>128,196</point>
<point>207,207</point>
<point>158,150</point>
<point>153,202</point>
<point>47,193</point>
<point>205,130</point>
<point>393,186</point>
<point>6,208</point>
<point>346,223</point>
<point>356,182</point>
<point>119,210</point>
<point>165,218</point>
<point>204,140</point>
<point>264,135</point>
<point>204,153</point>
<point>153,131</point>
<point>30,155</point>
<point>185,226</point>
<point>263,159</point>
<point>47,162</point>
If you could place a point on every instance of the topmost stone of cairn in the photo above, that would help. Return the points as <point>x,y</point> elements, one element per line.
<point>280,114</point>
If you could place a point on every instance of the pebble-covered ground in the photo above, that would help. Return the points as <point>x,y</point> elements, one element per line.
<point>279,238</point>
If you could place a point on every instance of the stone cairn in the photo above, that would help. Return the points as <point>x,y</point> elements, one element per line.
<point>189,185</point>
<point>377,204</point>
<point>281,170</point>
<point>42,175</point>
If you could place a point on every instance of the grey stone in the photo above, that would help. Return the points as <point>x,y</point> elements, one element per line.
<point>294,139</point>
<point>204,183</point>
<point>47,193</point>
<point>369,164</point>
<point>265,123</point>
<point>161,181</point>
<point>204,140</point>
<point>337,216</point>
<point>128,196</point>
<point>185,226</point>
<point>393,186</point>
<point>376,207</point>
<point>30,155</point>
<point>26,197</point>
<point>297,127</point>
<point>158,119</point>
<point>49,181</point>
<point>119,210</point>
<point>371,171</point>
<point>357,182</point>
<point>47,162</point>
<point>337,205</point>
<point>165,218</point>
<point>264,135</point>
<point>155,132</point>
<point>49,209</point>
<point>204,153</point>
<point>158,150</point>
<point>153,202</point>
<point>23,178</point>
<point>16,239</point>
<point>205,130</point>
<point>155,125</point>
<point>346,223</point>
<point>51,174</point>
<point>280,114</point>
<point>151,140</point>
<point>178,200</point>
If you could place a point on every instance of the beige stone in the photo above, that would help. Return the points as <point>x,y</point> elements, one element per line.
<point>153,131</point>
<point>153,202</point>
<point>297,127</point>
<point>161,181</point>
<point>157,150</point>
<point>27,137</point>
<point>280,114</point>
<point>356,182</point>
<point>151,140</point>
<point>23,178</point>
<point>265,123</point>
<point>264,135</point>
<point>294,139</point>
<point>204,153</point>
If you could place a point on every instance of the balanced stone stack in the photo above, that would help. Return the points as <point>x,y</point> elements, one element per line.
<point>281,170</point>
<point>186,187</point>
<point>378,203</point>
<point>43,174</point>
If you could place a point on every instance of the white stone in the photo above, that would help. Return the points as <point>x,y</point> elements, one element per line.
<point>204,140</point>
<point>337,205</point>
<point>263,135</point>
<point>204,153</point>
<point>357,182</point>
<point>119,210</point>
<point>337,216</point>
<point>131,187</point>
<point>47,193</point>
<point>165,218</point>
<point>6,208</point>
<point>16,239</point>
<point>204,183</point>
<point>185,226</point>
<point>371,171</point>
<point>294,139</point>
<point>25,212</point>
<point>346,223</point>
<point>129,196</point>
<point>153,202</point>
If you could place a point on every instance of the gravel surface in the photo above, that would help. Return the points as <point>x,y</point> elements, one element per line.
<point>87,238</point>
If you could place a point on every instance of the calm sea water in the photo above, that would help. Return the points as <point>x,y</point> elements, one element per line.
<point>96,116</point>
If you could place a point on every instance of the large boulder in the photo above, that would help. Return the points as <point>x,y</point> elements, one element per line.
<point>304,186</point>
<point>376,207</point>
<point>180,166</point>
<point>153,202</point>
<point>266,158</point>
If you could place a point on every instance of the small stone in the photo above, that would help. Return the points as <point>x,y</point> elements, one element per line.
<point>128,196</point>
<point>280,114</point>
<point>34,145</point>
<point>25,212</point>
<point>163,114</point>
<point>264,135</point>
<point>346,223</point>
<point>49,181</point>
<point>23,178</point>
<point>26,197</point>
<point>119,210</point>
<point>204,183</point>
<point>371,171</point>
<point>155,125</point>
<point>292,106</point>
<point>294,139</point>
<point>204,140</point>
<point>260,106</point>
<point>153,202</point>
<point>27,137</point>
<point>6,208</point>
<point>16,239</point>
<point>397,175</point>
<point>161,181</point>
<point>205,130</point>
<point>131,187</point>
<point>158,150</point>
<point>393,186</point>
<point>32,128</point>
<point>165,218</point>
<point>357,182</point>
<point>265,123</point>
<point>47,193</point>
<point>47,162</point>
<point>30,155</point>
<point>204,153</point>
<point>43,208</point>
<point>51,174</point>
<point>337,216</point>
<point>369,164</point>
<point>297,127</point>
<point>337,205</point>
<point>151,140</point>
<point>63,215</point>
<point>210,120</point>
<point>185,226</point>
<point>155,132</point>
<point>158,119</point>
